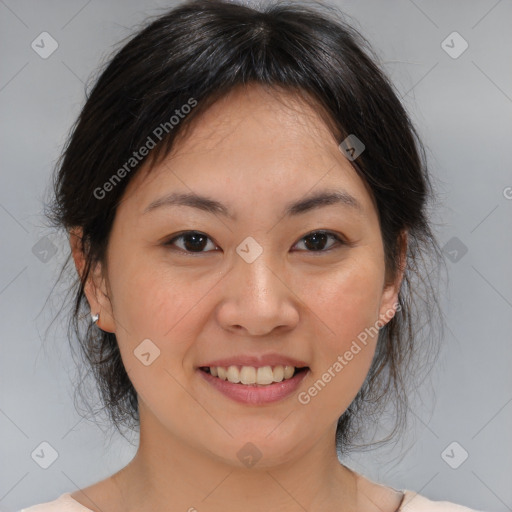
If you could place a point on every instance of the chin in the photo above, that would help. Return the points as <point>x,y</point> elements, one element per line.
<point>259,450</point>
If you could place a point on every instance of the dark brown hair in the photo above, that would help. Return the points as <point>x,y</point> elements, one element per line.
<point>201,50</point>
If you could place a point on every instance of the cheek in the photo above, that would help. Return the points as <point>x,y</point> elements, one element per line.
<point>152,300</point>
<point>347,302</point>
<point>348,306</point>
<point>153,305</point>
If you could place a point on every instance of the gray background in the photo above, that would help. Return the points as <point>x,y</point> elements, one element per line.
<point>462,107</point>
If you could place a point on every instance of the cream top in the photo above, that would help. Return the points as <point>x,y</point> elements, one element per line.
<point>412,502</point>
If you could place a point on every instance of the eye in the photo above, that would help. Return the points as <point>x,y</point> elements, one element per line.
<point>193,242</point>
<point>316,241</point>
<point>196,242</point>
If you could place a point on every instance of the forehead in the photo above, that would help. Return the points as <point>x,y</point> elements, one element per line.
<point>252,142</point>
<point>259,117</point>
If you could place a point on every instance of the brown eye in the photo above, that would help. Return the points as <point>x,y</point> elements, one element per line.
<point>317,240</point>
<point>196,242</point>
<point>191,241</point>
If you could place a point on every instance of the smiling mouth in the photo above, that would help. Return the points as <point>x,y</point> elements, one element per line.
<point>252,376</point>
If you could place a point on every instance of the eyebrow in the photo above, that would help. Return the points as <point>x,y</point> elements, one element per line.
<point>320,199</point>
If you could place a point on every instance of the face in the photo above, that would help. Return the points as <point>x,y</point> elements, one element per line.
<point>258,284</point>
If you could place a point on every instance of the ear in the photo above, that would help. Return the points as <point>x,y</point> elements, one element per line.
<point>95,288</point>
<point>389,300</point>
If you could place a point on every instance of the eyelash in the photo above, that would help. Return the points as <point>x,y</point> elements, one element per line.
<point>339,240</point>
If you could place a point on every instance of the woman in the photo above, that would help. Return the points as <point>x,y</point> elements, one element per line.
<point>245,198</point>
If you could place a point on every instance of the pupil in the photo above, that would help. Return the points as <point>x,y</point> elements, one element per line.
<point>322,237</point>
<point>198,241</point>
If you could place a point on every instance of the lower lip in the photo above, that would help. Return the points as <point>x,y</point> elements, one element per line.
<point>256,395</point>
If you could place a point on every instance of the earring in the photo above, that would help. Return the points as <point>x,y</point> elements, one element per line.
<point>95,317</point>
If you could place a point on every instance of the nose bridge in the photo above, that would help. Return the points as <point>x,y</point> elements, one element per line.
<point>255,267</point>
<point>256,297</point>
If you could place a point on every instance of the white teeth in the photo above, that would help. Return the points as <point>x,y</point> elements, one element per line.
<point>264,375</point>
<point>288,371</point>
<point>233,375</point>
<point>250,375</point>
<point>278,373</point>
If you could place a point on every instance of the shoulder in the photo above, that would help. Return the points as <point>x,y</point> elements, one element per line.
<point>411,501</point>
<point>64,503</point>
<point>414,502</point>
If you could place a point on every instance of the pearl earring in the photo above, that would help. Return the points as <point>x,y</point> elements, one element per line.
<point>95,317</point>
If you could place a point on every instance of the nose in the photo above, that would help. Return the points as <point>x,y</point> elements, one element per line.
<point>258,298</point>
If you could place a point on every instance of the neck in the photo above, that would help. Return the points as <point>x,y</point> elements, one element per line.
<point>167,474</point>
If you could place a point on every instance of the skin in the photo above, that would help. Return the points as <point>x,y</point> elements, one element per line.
<point>254,151</point>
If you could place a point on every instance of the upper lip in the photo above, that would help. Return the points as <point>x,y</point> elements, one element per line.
<point>256,361</point>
